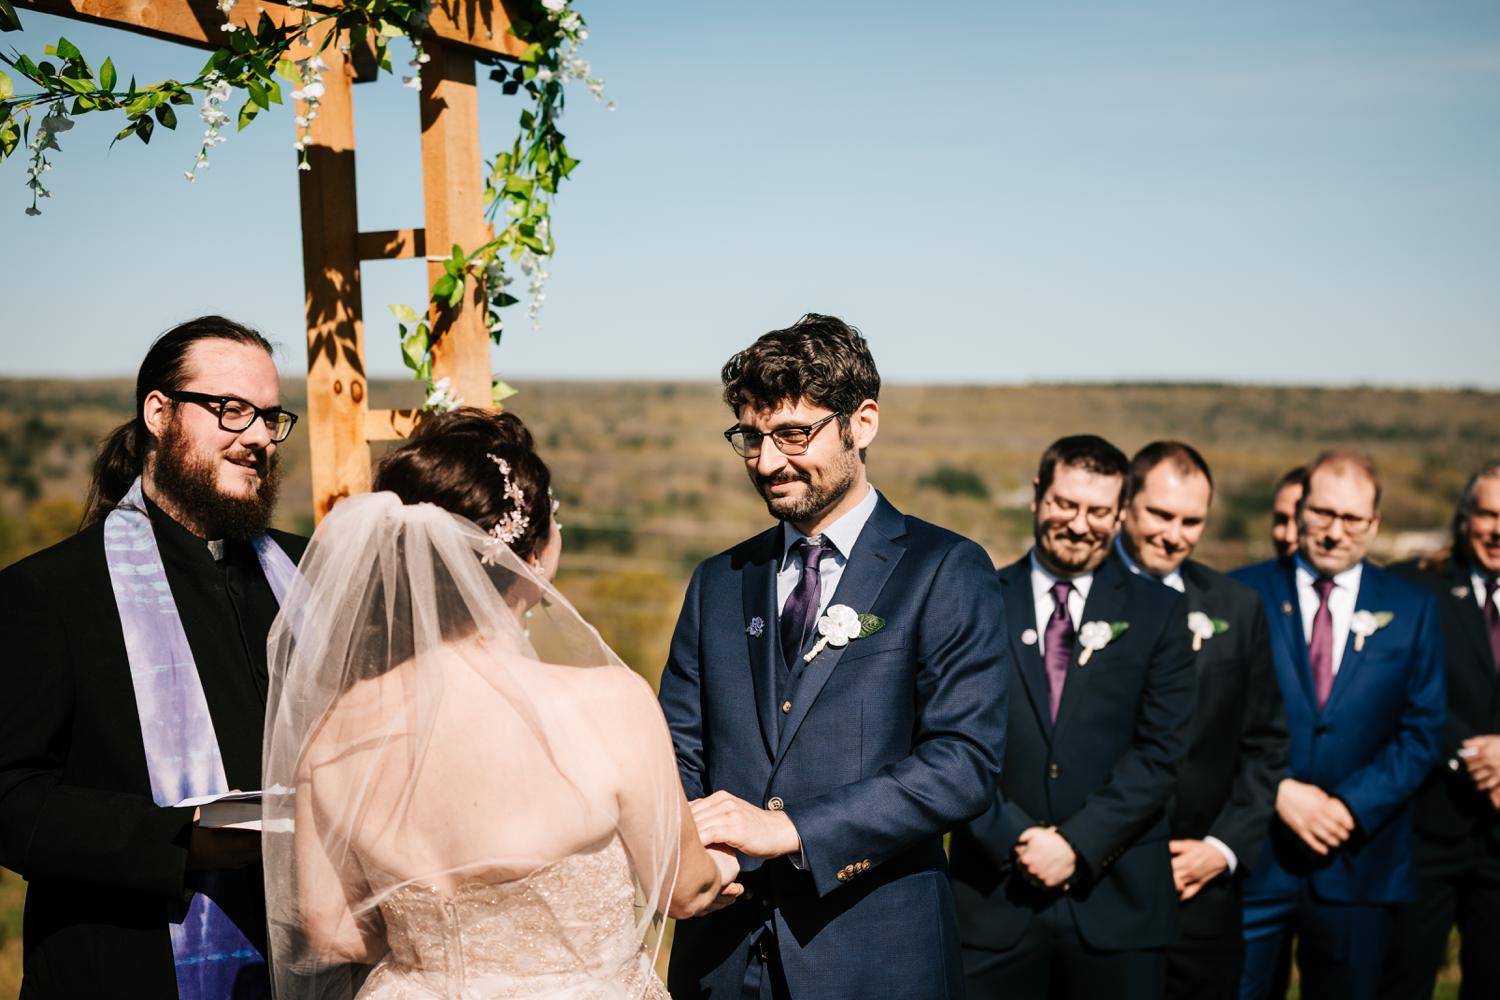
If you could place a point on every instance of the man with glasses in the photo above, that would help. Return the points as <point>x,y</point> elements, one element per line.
<point>836,694</point>
<point>1458,809</point>
<point>1064,886</point>
<point>1359,658</point>
<point>135,678</point>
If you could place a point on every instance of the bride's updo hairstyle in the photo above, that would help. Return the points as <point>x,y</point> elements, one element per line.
<point>450,461</point>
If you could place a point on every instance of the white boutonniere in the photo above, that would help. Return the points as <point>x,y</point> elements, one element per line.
<point>840,624</point>
<point>1204,627</point>
<point>1461,592</point>
<point>756,628</point>
<point>1096,635</point>
<point>1366,623</point>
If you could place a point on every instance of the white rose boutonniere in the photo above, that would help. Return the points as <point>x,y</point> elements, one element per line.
<point>1096,635</point>
<point>1366,623</point>
<point>839,625</point>
<point>1203,627</point>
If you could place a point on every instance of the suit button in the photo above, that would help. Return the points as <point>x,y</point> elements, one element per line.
<point>864,865</point>
<point>842,876</point>
<point>775,804</point>
<point>786,707</point>
<point>1053,771</point>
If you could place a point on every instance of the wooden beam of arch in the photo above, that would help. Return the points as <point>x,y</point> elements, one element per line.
<point>481,28</point>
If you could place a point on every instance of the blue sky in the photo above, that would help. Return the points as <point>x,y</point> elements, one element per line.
<point>992,191</point>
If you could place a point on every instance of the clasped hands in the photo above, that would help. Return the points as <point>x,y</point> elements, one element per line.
<point>1481,758</point>
<point>727,823</point>
<point>1320,820</point>
<point>1046,858</point>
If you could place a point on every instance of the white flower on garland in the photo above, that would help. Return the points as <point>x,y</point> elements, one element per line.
<point>441,397</point>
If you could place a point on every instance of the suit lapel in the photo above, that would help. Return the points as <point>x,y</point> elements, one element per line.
<point>1369,598</point>
<point>1470,615</point>
<point>1106,602</point>
<point>878,549</point>
<point>1286,621</point>
<point>1020,618</point>
<point>758,599</point>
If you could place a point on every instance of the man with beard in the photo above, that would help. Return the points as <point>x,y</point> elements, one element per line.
<point>1458,809</point>
<point>1359,659</point>
<point>1237,753</point>
<point>135,678</point>
<point>836,693</point>
<point>1064,885</point>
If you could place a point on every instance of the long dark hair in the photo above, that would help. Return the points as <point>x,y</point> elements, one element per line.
<point>122,456</point>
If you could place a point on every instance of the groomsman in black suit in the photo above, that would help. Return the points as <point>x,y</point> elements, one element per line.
<point>1226,788</point>
<point>1064,885</point>
<point>1458,809</point>
<point>1284,501</point>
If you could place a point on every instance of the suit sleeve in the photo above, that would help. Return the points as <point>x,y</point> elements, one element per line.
<point>1245,818</point>
<point>1375,792</point>
<point>959,739</point>
<point>682,692</point>
<point>63,832</point>
<point>1144,776</point>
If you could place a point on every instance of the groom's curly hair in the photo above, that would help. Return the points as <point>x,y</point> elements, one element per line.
<point>820,359</point>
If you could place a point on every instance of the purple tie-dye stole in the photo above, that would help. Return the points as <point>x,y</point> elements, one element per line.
<point>214,959</point>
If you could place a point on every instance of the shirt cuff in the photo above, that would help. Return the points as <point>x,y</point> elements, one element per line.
<point>1223,849</point>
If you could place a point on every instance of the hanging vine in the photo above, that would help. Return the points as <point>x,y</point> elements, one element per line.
<point>521,181</point>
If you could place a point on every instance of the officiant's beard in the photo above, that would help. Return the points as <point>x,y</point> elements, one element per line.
<point>826,486</point>
<point>190,480</point>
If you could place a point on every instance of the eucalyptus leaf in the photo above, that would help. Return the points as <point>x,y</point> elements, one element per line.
<point>403,312</point>
<point>166,116</point>
<point>143,128</point>
<point>8,19</point>
<point>258,95</point>
<point>107,75</point>
<point>7,89</point>
<point>443,287</point>
<point>500,391</point>
<point>248,113</point>
<point>288,71</point>
<point>65,49</point>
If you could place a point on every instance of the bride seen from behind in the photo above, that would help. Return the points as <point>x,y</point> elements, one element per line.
<point>486,801</point>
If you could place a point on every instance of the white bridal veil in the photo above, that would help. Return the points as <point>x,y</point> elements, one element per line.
<point>446,720</point>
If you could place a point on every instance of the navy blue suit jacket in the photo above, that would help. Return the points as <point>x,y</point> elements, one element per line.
<point>1371,745</point>
<point>1102,774</point>
<point>887,742</point>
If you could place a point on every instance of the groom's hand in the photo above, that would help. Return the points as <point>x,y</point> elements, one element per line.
<point>1046,856</point>
<point>761,833</point>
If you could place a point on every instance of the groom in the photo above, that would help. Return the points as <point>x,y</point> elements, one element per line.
<point>832,762</point>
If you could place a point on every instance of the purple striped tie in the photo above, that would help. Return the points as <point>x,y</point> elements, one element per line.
<point>1060,639</point>
<point>801,608</point>
<point>1320,647</point>
<point>1492,616</point>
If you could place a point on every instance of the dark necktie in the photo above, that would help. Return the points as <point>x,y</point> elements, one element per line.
<point>801,608</point>
<point>1060,640</point>
<point>1492,615</point>
<point>1320,647</point>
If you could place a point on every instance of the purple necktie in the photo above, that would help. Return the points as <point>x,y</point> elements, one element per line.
<point>1492,616</point>
<point>1320,647</point>
<point>801,608</point>
<point>1060,639</point>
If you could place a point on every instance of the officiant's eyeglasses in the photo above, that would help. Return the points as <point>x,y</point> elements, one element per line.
<point>237,415</point>
<point>789,440</point>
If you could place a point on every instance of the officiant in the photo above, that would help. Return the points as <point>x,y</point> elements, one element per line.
<point>134,677</point>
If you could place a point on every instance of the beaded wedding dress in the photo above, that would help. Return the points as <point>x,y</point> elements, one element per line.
<point>483,797</point>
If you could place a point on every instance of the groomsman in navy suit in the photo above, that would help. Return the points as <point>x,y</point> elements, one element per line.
<point>1226,788</point>
<point>836,692</point>
<point>1284,500</point>
<point>1064,885</point>
<point>1458,810</point>
<point>1359,656</point>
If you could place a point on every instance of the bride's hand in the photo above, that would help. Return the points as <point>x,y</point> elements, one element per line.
<point>728,864</point>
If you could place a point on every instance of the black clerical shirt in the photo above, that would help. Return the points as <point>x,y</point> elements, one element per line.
<point>226,607</point>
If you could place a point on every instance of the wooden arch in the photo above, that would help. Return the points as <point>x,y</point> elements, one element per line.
<point>340,422</point>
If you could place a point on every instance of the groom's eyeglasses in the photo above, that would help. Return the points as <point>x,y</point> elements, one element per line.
<point>789,440</point>
<point>236,415</point>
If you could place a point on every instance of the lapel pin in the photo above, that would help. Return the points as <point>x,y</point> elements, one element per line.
<point>1028,637</point>
<point>1286,607</point>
